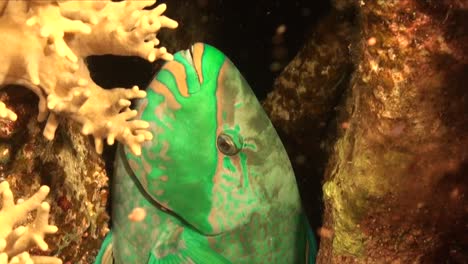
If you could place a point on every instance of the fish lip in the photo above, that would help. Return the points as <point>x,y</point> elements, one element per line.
<point>188,55</point>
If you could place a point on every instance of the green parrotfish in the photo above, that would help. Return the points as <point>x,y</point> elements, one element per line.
<point>215,184</point>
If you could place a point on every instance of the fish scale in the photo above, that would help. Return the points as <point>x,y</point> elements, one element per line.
<point>215,181</point>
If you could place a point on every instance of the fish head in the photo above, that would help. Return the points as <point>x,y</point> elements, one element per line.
<point>211,137</point>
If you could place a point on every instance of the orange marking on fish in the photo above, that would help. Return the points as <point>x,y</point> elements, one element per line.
<point>219,115</point>
<point>163,151</point>
<point>219,118</point>
<point>169,98</point>
<point>159,110</point>
<point>136,167</point>
<point>138,214</point>
<point>146,166</point>
<point>141,108</point>
<point>178,70</point>
<point>164,178</point>
<point>198,50</point>
<point>165,205</point>
<point>237,163</point>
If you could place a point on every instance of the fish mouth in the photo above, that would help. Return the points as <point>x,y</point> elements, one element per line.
<point>188,55</point>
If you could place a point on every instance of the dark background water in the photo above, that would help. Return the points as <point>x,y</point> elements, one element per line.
<point>250,38</point>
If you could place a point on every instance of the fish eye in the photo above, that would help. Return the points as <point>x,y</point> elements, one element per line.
<point>227,145</point>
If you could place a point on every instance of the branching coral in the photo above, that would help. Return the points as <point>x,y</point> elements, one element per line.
<point>45,43</point>
<point>16,240</point>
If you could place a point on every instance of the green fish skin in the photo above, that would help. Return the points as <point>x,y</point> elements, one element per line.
<point>215,182</point>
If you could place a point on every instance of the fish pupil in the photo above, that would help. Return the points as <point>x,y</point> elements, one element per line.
<point>226,145</point>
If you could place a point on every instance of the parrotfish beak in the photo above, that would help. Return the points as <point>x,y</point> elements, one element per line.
<point>188,55</point>
<point>197,67</point>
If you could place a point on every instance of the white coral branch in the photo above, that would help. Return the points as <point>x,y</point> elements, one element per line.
<point>47,42</point>
<point>7,113</point>
<point>118,124</point>
<point>53,25</point>
<point>105,115</point>
<point>124,26</point>
<point>14,243</point>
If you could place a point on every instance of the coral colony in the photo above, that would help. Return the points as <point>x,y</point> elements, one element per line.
<point>16,240</point>
<point>45,43</point>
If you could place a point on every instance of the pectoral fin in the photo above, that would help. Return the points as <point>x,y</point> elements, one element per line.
<point>195,250</point>
<point>105,253</point>
<point>311,245</point>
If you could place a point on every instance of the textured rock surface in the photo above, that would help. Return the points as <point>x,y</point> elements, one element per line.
<point>304,103</point>
<point>69,165</point>
<point>395,185</point>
